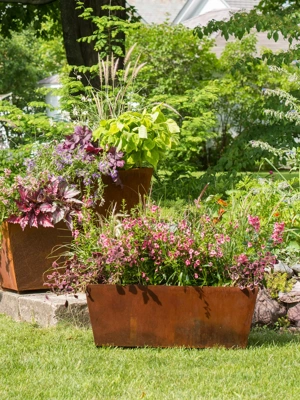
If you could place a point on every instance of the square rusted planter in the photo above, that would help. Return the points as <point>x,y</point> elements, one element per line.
<point>135,186</point>
<point>24,255</point>
<point>170,316</point>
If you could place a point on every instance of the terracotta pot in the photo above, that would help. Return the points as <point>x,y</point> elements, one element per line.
<point>24,255</point>
<point>168,316</point>
<point>136,184</point>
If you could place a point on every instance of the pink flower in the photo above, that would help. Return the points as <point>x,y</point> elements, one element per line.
<point>75,233</point>
<point>277,234</point>
<point>196,276</point>
<point>242,259</point>
<point>7,172</point>
<point>250,244</point>
<point>254,221</point>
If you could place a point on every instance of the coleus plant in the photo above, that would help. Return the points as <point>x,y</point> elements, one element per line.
<point>52,202</point>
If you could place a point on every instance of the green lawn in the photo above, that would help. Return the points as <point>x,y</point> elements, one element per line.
<point>63,363</point>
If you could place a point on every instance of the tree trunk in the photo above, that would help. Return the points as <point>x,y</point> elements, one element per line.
<point>74,27</point>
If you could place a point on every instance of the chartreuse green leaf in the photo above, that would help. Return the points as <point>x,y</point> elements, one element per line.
<point>120,126</point>
<point>143,132</point>
<point>149,144</point>
<point>172,126</point>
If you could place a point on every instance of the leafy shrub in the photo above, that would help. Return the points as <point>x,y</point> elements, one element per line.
<point>278,282</point>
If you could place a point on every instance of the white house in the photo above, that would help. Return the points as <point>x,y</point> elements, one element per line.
<point>192,13</point>
<point>3,139</point>
<point>52,83</point>
<point>179,11</point>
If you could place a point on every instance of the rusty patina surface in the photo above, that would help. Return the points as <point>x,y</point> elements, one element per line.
<point>135,185</point>
<point>169,316</point>
<point>24,255</point>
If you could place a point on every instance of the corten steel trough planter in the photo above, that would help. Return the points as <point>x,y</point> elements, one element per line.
<point>135,186</point>
<point>24,255</point>
<point>170,316</point>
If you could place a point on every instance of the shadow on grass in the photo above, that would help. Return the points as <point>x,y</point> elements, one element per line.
<point>262,337</point>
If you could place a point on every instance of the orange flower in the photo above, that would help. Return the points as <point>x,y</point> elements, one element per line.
<point>221,211</point>
<point>215,220</point>
<point>276,214</point>
<point>222,203</point>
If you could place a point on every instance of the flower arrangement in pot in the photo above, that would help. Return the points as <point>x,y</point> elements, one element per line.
<point>159,281</point>
<point>51,193</point>
<point>144,137</point>
<point>61,177</point>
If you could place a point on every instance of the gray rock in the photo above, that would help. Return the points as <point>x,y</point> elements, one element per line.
<point>296,268</point>
<point>45,309</point>
<point>294,314</point>
<point>291,297</point>
<point>267,310</point>
<point>282,267</point>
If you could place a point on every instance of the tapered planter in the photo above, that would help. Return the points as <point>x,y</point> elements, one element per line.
<point>24,255</point>
<point>170,316</point>
<point>135,185</point>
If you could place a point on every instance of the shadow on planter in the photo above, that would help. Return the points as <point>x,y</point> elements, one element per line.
<point>170,316</point>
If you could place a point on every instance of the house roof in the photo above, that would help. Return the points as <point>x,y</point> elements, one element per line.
<point>157,11</point>
<point>52,80</point>
<point>202,20</point>
<point>220,15</point>
<point>177,11</point>
<point>193,8</point>
<point>5,96</point>
<point>242,4</point>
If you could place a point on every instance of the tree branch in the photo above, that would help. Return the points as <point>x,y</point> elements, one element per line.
<point>33,2</point>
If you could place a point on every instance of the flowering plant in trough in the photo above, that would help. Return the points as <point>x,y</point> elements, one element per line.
<point>190,249</point>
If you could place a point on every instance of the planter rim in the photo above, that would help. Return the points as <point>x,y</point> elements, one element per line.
<point>172,286</point>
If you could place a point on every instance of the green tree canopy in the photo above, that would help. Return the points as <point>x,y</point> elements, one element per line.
<point>15,15</point>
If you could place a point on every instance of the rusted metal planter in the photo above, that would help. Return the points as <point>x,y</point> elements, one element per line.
<point>170,316</point>
<point>135,185</point>
<point>24,255</point>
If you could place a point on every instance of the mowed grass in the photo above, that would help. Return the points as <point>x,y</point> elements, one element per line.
<point>63,363</point>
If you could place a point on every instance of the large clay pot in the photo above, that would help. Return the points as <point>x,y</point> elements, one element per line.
<point>24,255</point>
<point>135,185</point>
<point>168,316</point>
